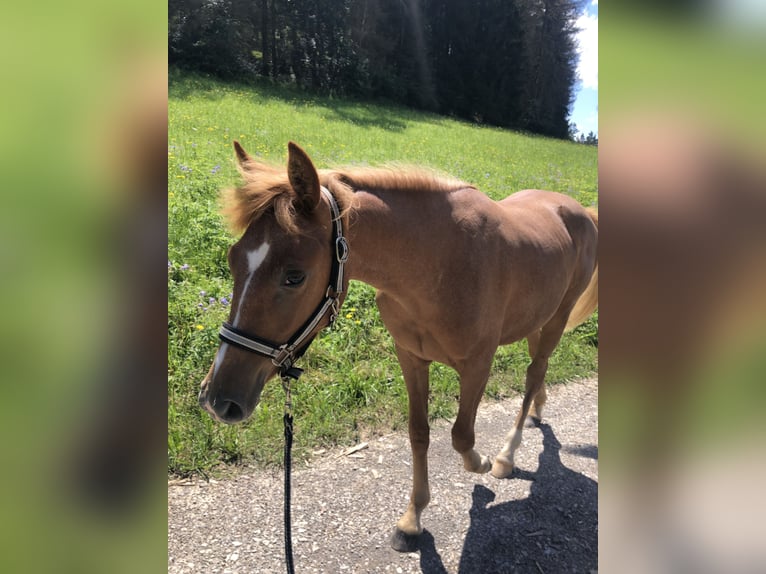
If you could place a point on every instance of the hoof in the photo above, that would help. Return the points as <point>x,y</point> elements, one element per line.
<point>477,463</point>
<point>403,542</point>
<point>502,468</point>
<point>532,421</point>
<point>485,465</point>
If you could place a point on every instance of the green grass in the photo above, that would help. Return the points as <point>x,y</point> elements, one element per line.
<point>352,387</point>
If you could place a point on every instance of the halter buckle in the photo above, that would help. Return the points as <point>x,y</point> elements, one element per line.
<point>283,359</point>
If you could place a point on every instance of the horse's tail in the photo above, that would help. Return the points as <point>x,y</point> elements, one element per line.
<point>588,301</point>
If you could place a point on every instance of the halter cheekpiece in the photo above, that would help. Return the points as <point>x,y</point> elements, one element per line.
<point>284,356</point>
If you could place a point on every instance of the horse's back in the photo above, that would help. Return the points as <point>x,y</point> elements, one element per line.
<point>538,204</point>
<point>549,218</point>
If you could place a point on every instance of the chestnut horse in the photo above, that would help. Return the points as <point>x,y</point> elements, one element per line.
<point>457,274</point>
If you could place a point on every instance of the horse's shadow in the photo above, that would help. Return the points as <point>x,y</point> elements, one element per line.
<point>554,529</point>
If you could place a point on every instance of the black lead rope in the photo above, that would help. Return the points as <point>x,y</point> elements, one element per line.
<point>288,420</point>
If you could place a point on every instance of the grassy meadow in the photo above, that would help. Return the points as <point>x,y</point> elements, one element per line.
<point>352,387</point>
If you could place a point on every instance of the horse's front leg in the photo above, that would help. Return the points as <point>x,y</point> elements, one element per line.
<point>409,528</point>
<point>473,379</point>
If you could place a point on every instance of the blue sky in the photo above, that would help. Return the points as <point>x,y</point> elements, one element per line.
<point>585,108</point>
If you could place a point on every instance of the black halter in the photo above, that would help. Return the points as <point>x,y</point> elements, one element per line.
<point>284,356</point>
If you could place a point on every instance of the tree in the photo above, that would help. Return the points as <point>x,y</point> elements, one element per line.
<point>550,65</point>
<point>509,63</point>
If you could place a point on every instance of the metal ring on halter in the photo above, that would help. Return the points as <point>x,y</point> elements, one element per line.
<point>341,249</point>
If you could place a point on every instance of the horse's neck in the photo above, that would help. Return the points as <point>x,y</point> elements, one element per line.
<point>381,242</point>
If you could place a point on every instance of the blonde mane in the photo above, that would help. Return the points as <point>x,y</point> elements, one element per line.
<point>267,189</point>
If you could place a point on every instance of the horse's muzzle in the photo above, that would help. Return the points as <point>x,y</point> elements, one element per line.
<point>224,409</point>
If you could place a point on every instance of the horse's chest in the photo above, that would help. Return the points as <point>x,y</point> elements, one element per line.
<point>415,327</point>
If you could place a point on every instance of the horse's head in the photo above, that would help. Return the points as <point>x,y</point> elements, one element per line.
<point>286,285</point>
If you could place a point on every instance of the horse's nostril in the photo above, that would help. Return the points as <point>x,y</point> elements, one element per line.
<point>230,412</point>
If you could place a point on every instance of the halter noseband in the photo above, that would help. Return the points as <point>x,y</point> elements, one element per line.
<point>283,356</point>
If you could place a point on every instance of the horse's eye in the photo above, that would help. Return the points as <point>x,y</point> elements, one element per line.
<point>293,278</point>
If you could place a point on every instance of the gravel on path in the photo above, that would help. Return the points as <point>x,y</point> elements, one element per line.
<point>543,519</point>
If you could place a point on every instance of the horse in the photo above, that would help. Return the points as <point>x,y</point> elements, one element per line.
<point>456,274</point>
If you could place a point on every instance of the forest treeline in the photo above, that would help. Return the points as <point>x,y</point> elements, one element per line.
<point>508,63</point>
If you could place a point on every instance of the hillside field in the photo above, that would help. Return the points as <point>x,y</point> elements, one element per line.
<point>352,387</point>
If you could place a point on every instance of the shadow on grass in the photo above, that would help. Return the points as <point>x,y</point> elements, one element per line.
<point>374,114</point>
<point>368,115</point>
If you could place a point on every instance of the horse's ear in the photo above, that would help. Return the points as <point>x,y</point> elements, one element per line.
<point>242,156</point>
<point>303,178</point>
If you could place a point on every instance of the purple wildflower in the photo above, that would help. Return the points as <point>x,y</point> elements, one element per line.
<point>184,267</point>
<point>224,301</point>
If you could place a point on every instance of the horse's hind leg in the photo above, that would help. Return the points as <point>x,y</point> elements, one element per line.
<point>541,346</point>
<point>473,379</point>
<point>539,400</point>
<point>408,527</point>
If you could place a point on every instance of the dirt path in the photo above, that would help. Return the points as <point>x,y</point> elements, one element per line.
<point>543,519</point>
